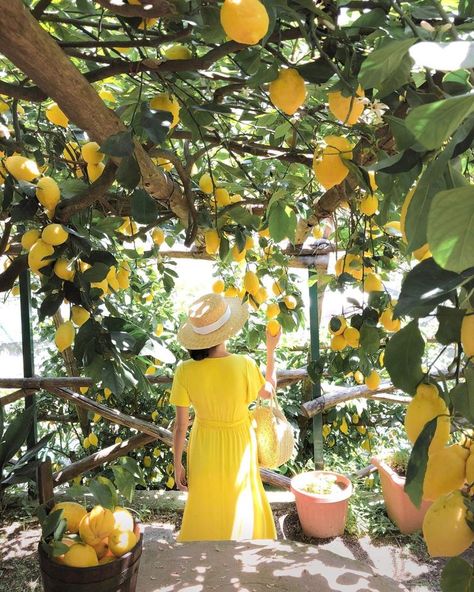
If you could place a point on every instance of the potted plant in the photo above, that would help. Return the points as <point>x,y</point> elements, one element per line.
<point>400,509</point>
<point>322,500</point>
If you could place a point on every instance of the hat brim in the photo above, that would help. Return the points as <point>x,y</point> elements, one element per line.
<point>239,313</point>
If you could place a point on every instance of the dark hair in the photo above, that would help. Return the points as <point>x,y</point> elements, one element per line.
<point>199,354</point>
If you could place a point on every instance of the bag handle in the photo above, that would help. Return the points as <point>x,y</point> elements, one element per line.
<point>273,399</point>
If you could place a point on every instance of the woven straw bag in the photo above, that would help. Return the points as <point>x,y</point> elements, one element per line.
<point>275,440</point>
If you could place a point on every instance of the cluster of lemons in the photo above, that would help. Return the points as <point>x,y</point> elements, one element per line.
<point>96,537</point>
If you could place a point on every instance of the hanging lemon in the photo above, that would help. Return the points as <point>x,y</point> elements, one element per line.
<point>244,21</point>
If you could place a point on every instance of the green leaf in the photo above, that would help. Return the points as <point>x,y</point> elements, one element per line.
<point>96,273</point>
<point>58,548</point>
<point>108,483</point>
<point>50,304</point>
<point>156,124</point>
<point>131,465</point>
<point>403,136</point>
<point>451,228</point>
<point>128,172</point>
<point>112,379</point>
<point>403,355</point>
<point>317,72</point>
<point>369,338</point>
<point>380,65</point>
<point>119,145</point>
<point>102,494</point>
<point>15,434</point>
<point>25,210</point>
<point>282,222</point>
<point>450,320</point>
<point>466,10</point>
<point>417,464</point>
<point>125,482</point>
<point>434,123</point>
<point>144,208</point>
<point>457,574</point>
<point>51,523</point>
<point>463,401</point>
<point>424,287</point>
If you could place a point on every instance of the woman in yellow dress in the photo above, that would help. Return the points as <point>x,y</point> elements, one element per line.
<point>226,499</point>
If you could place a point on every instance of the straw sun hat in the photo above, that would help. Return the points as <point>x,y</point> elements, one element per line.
<point>211,320</point>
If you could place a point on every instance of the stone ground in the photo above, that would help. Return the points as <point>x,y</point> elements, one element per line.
<point>343,563</point>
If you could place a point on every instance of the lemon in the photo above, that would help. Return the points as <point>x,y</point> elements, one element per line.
<point>317,231</point>
<point>351,264</point>
<point>425,406</point>
<point>147,461</point>
<point>261,295</point>
<point>273,327</point>
<point>158,236</point>
<point>165,102</point>
<point>94,171</point>
<point>344,428</point>
<point>80,555</point>
<point>329,166</point>
<point>244,21</point>
<point>251,282</point>
<point>372,381</point>
<point>288,91</point>
<point>467,334</point>
<point>48,193</point>
<point>212,241</point>
<point>106,95</point>
<point>103,285</point>
<point>369,205</point>
<point>64,336</point>
<point>338,343</point>
<point>249,243</point>
<point>218,286</point>
<point>79,315</point>
<point>346,109</point>
<point>73,513</point>
<point>264,232</point>
<point>37,257</point>
<point>273,310</point>
<point>352,336</point>
<point>101,549</point>
<point>91,153</point>
<point>231,292</point>
<point>372,283</point>
<point>96,525</point>
<point>22,168</point>
<point>147,23</point>
<point>277,289</point>
<point>107,393</point>
<point>177,52</point>
<point>112,281</point>
<point>29,238</point>
<point>159,329</point>
<point>123,519</point>
<point>64,269</point>
<point>71,152</point>
<point>122,541</point>
<point>123,278</point>
<point>205,183</point>
<point>93,439</point>
<point>86,444</point>
<point>290,302</point>
<point>55,115</point>
<point>118,440</point>
<point>54,234</point>
<point>337,325</point>
<point>445,471</point>
<point>222,197</point>
<point>237,254</point>
<point>358,377</point>
<point>445,529</point>
<point>388,322</point>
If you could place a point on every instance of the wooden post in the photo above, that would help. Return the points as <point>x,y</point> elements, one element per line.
<point>44,480</point>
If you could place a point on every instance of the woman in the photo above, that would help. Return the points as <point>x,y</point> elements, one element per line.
<point>226,499</point>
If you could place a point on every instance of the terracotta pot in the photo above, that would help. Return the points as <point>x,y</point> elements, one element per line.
<point>400,509</point>
<point>322,515</point>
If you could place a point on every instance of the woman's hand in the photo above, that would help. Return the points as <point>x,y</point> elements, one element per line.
<point>180,478</point>
<point>273,340</point>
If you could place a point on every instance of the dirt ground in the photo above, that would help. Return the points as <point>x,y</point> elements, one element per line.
<point>410,567</point>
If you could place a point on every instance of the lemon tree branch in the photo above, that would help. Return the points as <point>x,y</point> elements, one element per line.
<point>151,9</point>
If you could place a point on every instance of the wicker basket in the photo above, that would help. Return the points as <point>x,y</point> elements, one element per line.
<point>275,440</point>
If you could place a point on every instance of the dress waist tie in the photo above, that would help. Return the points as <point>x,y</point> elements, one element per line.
<point>210,423</point>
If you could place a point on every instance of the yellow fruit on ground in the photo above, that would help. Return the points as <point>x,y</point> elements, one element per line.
<point>337,325</point>
<point>346,109</point>
<point>73,513</point>
<point>288,91</point>
<point>91,153</point>
<point>29,238</point>
<point>290,302</point>
<point>351,264</point>
<point>372,283</point>
<point>54,234</point>
<point>166,102</point>
<point>359,377</point>
<point>205,183</point>
<point>445,529</point>
<point>80,555</point>
<point>123,519</point>
<point>94,171</point>
<point>64,269</point>
<point>352,336</point>
<point>48,193</point>
<point>22,168</point>
<point>38,255</point>
<point>237,254</point>
<point>177,52</point>
<point>96,525</point>
<point>273,310</point>
<point>369,205</point>
<point>388,322</point>
<point>244,21</point>
<point>212,241</point>
<point>122,541</point>
<point>79,315</point>
<point>445,471</point>
<point>273,327</point>
<point>425,406</point>
<point>251,282</point>
<point>467,333</point>
<point>218,286</point>
<point>158,236</point>
<point>55,115</point>
<point>338,343</point>
<point>64,336</point>
<point>222,197</point>
<point>372,381</point>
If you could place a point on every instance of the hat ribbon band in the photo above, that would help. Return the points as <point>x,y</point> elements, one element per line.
<point>206,329</point>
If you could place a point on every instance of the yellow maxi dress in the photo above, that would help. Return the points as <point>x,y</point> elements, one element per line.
<point>226,499</point>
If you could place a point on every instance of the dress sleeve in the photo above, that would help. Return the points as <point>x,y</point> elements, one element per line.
<point>179,394</point>
<point>255,380</point>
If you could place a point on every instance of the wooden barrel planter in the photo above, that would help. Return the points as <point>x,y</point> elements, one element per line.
<point>119,575</point>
